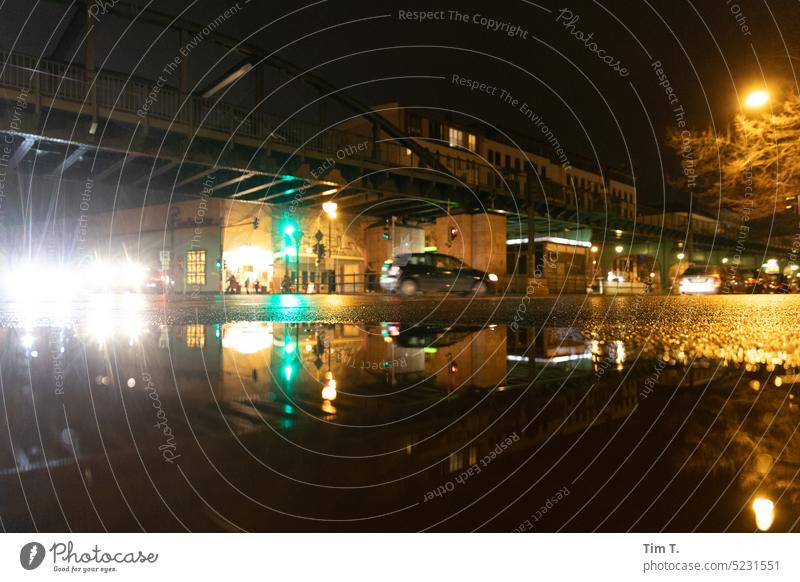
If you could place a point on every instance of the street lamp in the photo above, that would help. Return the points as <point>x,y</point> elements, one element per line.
<point>329,208</point>
<point>756,99</point>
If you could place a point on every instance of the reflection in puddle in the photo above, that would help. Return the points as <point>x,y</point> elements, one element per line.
<point>355,405</point>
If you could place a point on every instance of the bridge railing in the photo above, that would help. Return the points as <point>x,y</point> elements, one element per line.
<point>55,82</point>
<point>52,82</point>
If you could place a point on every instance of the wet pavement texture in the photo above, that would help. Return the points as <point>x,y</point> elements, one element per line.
<point>292,413</point>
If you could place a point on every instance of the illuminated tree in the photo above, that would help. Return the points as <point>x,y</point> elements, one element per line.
<point>751,167</point>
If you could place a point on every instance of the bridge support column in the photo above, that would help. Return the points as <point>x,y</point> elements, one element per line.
<point>663,265</point>
<point>537,285</point>
<point>480,241</point>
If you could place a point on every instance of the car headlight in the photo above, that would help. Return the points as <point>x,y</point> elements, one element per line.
<point>492,277</point>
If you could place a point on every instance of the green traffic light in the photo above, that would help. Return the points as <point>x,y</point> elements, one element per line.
<point>288,230</point>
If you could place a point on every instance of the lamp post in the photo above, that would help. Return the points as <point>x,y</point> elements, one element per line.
<point>298,240</point>
<point>330,209</point>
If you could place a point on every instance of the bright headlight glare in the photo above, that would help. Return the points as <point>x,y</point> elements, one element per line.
<point>492,277</point>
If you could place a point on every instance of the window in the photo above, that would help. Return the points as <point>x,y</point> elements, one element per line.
<point>508,162</point>
<point>195,267</point>
<point>419,260</point>
<point>490,156</point>
<point>413,124</point>
<point>455,137</point>
<point>472,142</point>
<point>195,336</point>
<point>445,262</point>
<point>434,129</point>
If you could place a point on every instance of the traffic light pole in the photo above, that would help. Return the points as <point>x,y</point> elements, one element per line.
<point>332,268</point>
<point>298,242</point>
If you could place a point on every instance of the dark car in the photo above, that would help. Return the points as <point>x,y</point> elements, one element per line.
<point>433,272</point>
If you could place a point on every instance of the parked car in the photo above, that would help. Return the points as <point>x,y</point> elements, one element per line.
<point>413,273</point>
<point>702,280</point>
<point>754,281</point>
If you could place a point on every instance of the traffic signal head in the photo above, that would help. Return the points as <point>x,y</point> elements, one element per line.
<point>218,264</point>
<point>288,230</point>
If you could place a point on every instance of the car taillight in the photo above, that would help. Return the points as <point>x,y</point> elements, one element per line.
<point>717,281</point>
<point>394,270</point>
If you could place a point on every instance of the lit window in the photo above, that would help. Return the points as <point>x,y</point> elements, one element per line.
<point>196,336</point>
<point>472,144</point>
<point>195,267</point>
<point>455,137</point>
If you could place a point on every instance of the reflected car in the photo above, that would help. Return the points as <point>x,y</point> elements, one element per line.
<point>701,280</point>
<point>429,336</point>
<point>412,273</point>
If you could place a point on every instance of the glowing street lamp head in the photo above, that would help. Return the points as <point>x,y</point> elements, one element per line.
<point>330,208</point>
<point>681,256</point>
<point>756,99</point>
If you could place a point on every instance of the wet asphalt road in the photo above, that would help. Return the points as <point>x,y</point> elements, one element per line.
<point>777,312</point>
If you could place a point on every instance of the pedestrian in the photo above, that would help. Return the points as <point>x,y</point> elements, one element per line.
<point>286,284</point>
<point>257,287</point>
<point>247,285</point>
<point>233,285</point>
